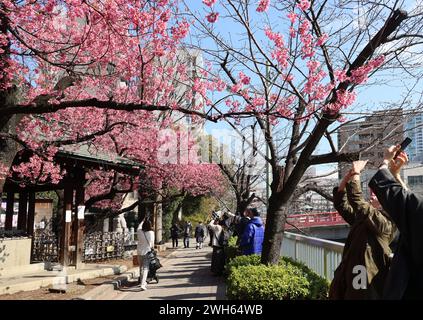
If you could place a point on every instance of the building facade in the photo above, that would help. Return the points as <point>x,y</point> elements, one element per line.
<point>414,130</point>
<point>370,138</point>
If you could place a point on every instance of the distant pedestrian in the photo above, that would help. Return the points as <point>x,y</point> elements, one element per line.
<point>174,234</point>
<point>253,235</point>
<point>187,233</point>
<point>145,245</point>
<point>199,235</point>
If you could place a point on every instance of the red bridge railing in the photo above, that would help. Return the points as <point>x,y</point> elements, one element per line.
<point>314,220</point>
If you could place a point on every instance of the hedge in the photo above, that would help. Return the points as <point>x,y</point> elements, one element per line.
<point>232,249</point>
<point>250,280</point>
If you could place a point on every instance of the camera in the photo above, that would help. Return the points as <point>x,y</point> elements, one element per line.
<point>216,215</point>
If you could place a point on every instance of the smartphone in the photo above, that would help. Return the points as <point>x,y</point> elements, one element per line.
<point>404,145</point>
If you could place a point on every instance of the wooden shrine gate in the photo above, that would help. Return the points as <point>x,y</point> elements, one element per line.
<point>70,243</point>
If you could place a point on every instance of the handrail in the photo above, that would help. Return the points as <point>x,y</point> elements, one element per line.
<point>322,256</point>
<point>322,243</point>
<point>315,220</point>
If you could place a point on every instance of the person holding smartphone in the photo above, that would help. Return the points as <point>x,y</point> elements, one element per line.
<point>367,244</point>
<point>405,278</point>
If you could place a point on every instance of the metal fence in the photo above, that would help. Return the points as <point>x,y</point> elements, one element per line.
<point>104,245</point>
<point>45,247</point>
<point>98,246</point>
<point>322,256</point>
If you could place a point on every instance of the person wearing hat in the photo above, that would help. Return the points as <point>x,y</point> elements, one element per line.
<point>366,252</point>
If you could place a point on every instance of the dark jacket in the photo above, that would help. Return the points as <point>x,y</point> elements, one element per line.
<point>367,245</point>
<point>174,232</point>
<point>187,230</point>
<point>405,279</point>
<point>240,223</point>
<point>252,238</point>
<point>199,233</point>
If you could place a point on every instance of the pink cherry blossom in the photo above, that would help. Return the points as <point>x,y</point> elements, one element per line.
<point>258,101</point>
<point>212,17</point>
<point>209,3</point>
<point>322,39</point>
<point>292,16</point>
<point>244,79</point>
<point>263,5</point>
<point>304,4</point>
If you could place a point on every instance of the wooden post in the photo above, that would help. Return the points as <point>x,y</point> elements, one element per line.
<point>80,222</point>
<point>9,210</point>
<point>31,213</point>
<point>66,226</point>
<point>23,208</point>
<point>111,224</point>
<point>31,217</point>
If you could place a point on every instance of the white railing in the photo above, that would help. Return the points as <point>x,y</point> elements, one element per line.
<point>322,256</point>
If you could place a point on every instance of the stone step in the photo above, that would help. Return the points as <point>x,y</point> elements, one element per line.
<point>19,270</point>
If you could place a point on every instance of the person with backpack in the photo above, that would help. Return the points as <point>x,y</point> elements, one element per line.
<point>252,238</point>
<point>199,235</point>
<point>145,245</point>
<point>187,233</point>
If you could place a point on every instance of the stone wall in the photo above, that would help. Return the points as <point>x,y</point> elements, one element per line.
<point>14,252</point>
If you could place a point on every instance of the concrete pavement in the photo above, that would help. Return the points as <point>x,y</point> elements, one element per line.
<point>42,278</point>
<point>184,276</point>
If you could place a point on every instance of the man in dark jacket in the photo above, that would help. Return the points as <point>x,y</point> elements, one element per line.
<point>199,235</point>
<point>367,244</point>
<point>174,234</point>
<point>252,238</point>
<point>405,279</point>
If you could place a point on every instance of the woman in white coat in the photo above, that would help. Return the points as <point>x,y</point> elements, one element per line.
<point>145,244</point>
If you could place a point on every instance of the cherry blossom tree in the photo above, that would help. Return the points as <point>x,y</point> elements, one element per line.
<point>298,67</point>
<point>295,64</point>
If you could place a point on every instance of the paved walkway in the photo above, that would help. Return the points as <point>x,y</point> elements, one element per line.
<point>185,275</point>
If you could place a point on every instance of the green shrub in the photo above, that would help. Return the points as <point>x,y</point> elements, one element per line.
<point>248,279</point>
<point>232,249</point>
<point>319,286</point>
<point>251,260</point>
<point>262,282</point>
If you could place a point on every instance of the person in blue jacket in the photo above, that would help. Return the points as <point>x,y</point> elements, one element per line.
<point>252,238</point>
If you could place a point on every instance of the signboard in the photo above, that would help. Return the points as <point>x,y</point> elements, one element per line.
<point>81,212</point>
<point>110,248</point>
<point>68,216</point>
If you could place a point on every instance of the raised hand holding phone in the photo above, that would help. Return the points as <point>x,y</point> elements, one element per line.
<point>403,145</point>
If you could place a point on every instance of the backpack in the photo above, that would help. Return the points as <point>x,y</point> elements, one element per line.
<point>223,239</point>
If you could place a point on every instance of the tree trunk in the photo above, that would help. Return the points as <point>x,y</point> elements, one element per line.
<point>175,214</point>
<point>159,220</point>
<point>273,234</point>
